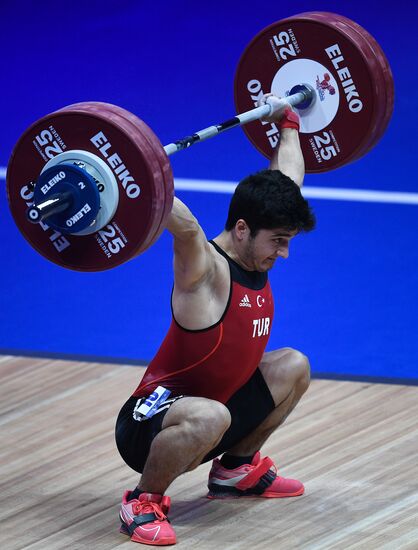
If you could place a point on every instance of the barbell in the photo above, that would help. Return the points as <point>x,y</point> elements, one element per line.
<point>90,186</point>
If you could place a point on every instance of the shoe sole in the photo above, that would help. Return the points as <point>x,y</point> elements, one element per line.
<point>162,542</point>
<point>214,496</point>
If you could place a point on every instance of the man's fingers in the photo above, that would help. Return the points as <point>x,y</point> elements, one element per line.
<point>278,106</point>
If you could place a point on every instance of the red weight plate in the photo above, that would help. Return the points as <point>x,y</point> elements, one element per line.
<point>139,126</point>
<point>105,134</point>
<point>164,161</point>
<point>383,77</point>
<point>305,50</point>
<point>383,106</point>
<point>153,152</point>
<point>166,169</point>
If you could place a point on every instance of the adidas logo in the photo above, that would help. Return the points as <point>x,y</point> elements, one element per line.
<point>245,302</point>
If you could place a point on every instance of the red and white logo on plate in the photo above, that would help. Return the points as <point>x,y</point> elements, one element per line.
<point>318,116</point>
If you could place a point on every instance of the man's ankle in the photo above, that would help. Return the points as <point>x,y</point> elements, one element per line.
<point>135,493</point>
<point>230,461</point>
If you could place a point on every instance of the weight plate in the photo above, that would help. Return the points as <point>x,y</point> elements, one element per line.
<point>164,162</point>
<point>165,167</point>
<point>383,76</point>
<point>152,154</point>
<point>107,135</point>
<point>312,49</point>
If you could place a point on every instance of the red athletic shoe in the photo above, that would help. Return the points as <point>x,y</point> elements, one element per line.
<point>257,479</point>
<point>145,519</point>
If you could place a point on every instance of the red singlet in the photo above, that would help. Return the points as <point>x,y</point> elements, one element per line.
<point>215,362</point>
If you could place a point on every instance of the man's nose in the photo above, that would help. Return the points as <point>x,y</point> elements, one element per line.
<point>283,252</point>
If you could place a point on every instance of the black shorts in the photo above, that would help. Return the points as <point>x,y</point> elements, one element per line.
<point>249,406</point>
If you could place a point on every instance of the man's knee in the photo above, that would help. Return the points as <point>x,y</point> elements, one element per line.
<point>210,421</point>
<point>300,368</point>
<point>287,368</point>
<point>203,420</point>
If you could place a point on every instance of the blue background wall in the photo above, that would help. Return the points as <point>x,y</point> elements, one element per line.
<point>347,296</point>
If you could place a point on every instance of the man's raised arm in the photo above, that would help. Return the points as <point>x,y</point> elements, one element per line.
<point>287,157</point>
<point>193,260</point>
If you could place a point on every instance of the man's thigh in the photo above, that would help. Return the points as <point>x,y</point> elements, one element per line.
<point>134,437</point>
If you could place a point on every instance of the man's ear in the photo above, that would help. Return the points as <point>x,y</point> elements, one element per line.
<point>241,230</point>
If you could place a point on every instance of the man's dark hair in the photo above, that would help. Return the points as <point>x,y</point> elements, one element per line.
<point>270,200</point>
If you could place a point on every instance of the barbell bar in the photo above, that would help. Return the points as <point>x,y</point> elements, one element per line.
<point>305,96</point>
<point>60,203</point>
<point>117,205</point>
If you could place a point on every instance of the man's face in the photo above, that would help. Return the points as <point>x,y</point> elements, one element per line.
<point>260,252</point>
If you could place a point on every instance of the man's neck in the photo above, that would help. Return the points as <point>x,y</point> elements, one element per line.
<point>225,240</point>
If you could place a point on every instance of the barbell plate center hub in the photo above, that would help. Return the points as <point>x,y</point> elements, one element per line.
<point>66,198</point>
<point>106,184</point>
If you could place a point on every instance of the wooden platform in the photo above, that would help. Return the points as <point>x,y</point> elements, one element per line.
<point>355,446</point>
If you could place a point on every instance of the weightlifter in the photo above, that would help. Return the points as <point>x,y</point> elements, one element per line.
<point>227,395</point>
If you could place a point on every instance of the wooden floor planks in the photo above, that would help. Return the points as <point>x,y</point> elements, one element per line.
<point>354,444</point>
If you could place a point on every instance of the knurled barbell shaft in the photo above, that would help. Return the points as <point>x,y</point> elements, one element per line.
<point>238,120</point>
